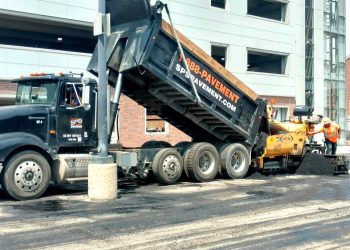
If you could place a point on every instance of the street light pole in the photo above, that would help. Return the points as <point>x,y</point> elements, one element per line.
<point>102,88</point>
<point>102,173</point>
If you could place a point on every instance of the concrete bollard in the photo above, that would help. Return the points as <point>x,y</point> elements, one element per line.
<point>102,182</point>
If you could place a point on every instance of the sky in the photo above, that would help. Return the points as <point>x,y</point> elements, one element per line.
<point>348,27</point>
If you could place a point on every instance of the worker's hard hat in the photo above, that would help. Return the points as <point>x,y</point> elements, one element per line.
<point>326,120</point>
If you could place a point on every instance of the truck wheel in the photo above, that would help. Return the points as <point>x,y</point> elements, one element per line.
<point>167,166</point>
<point>184,156</point>
<point>26,176</point>
<point>234,161</point>
<point>202,162</point>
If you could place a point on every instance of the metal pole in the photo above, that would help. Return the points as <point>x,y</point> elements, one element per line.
<point>197,97</point>
<point>102,173</point>
<point>115,106</point>
<point>102,89</point>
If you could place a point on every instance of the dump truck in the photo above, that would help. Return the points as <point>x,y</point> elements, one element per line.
<point>50,134</point>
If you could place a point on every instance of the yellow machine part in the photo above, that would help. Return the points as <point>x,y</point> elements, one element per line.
<point>277,127</point>
<point>286,139</point>
<point>291,143</point>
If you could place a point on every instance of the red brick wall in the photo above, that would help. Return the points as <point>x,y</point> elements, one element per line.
<point>348,86</point>
<point>283,101</point>
<point>8,88</point>
<point>132,126</point>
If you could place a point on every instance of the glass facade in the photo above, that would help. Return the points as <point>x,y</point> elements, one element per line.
<point>334,61</point>
<point>309,53</point>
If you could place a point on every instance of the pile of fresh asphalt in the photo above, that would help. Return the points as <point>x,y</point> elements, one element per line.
<point>312,164</point>
<point>315,164</point>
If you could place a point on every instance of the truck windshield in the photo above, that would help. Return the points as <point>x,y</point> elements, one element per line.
<point>38,92</point>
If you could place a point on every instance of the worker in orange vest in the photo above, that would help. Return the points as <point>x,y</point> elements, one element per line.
<point>331,132</point>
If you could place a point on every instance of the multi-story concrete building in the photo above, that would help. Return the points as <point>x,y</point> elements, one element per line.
<point>332,30</point>
<point>290,50</point>
<point>347,74</point>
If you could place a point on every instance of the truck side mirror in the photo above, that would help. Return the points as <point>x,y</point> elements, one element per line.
<point>86,94</point>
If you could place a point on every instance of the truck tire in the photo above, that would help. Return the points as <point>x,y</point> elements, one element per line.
<point>26,176</point>
<point>167,166</point>
<point>184,156</point>
<point>202,162</point>
<point>234,161</point>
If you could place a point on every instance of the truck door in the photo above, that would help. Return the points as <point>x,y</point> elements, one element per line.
<point>74,123</point>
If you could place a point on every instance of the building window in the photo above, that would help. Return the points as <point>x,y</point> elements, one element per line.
<point>331,10</point>
<point>281,113</point>
<point>71,95</point>
<point>218,3</point>
<point>266,62</point>
<point>155,124</point>
<point>331,56</point>
<point>275,10</point>
<point>219,54</point>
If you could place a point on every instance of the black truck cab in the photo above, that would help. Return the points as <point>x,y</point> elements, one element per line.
<point>51,108</point>
<point>52,114</point>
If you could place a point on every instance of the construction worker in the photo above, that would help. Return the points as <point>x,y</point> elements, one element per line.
<point>331,132</point>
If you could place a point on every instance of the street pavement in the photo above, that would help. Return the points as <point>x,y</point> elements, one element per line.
<point>260,212</point>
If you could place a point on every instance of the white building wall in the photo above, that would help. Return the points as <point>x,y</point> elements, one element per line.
<point>82,10</point>
<point>16,61</point>
<point>233,27</point>
<point>297,19</point>
<point>319,52</point>
<point>199,21</point>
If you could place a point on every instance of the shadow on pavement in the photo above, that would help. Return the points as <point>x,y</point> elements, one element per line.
<point>53,190</point>
<point>124,187</point>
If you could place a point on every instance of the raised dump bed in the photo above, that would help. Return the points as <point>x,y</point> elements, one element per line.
<point>143,47</point>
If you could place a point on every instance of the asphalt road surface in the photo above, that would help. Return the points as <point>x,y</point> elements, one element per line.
<point>269,212</point>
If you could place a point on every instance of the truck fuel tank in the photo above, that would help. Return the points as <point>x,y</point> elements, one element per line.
<point>71,167</point>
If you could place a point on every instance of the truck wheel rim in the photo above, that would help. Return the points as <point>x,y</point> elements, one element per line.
<point>237,161</point>
<point>28,176</point>
<point>206,162</point>
<point>171,166</point>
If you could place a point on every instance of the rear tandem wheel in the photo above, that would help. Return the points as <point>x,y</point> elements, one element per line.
<point>234,161</point>
<point>167,166</point>
<point>201,162</point>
